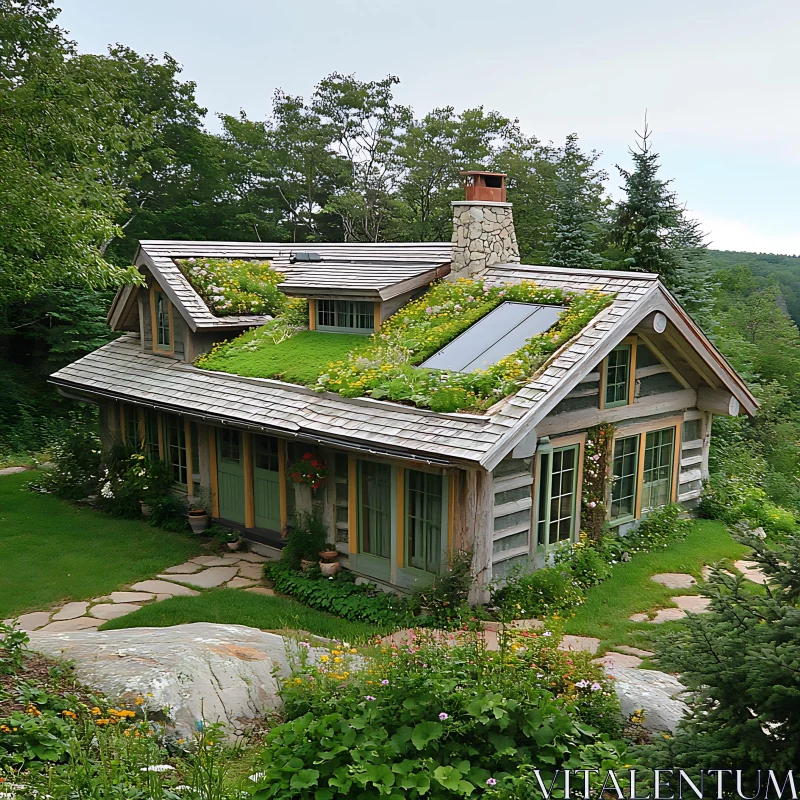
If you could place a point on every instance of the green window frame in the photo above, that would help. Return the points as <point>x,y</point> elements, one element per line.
<point>557,496</point>
<point>375,508</point>
<point>230,447</point>
<point>163,330</point>
<point>625,476</point>
<point>617,376</point>
<point>352,316</point>
<point>424,507</point>
<point>659,449</point>
<point>175,441</point>
<point>266,453</point>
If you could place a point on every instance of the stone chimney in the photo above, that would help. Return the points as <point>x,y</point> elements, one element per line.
<point>483,226</point>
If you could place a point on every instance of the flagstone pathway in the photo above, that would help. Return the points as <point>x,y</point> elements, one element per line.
<point>230,570</point>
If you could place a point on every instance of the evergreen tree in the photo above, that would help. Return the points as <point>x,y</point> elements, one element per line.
<point>575,224</point>
<point>740,663</point>
<point>647,220</point>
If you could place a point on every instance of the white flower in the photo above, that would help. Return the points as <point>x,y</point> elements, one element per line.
<point>158,768</point>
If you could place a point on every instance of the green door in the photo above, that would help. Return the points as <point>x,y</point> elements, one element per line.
<point>266,483</point>
<point>230,468</point>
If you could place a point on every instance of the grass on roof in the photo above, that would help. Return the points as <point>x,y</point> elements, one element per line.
<point>301,358</point>
<point>237,607</point>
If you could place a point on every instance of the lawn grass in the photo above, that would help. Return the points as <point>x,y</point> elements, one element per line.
<point>630,589</point>
<point>52,551</point>
<point>301,358</point>
<point>237,607</point>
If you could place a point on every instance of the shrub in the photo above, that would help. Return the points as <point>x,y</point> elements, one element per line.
<point>13,643</point>
<point>444,601</point>
<point>537,593</point>
<point>437,722</point>
<point>340,595</point>
<point>658,529</point>
<point>306,535</point>
<point>76,455</point>
<point>587,563</point>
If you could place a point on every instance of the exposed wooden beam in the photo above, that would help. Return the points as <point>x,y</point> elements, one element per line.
<point>717,401</point>
<point>249,498</point>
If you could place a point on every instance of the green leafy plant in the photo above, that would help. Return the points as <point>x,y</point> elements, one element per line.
<point>588,564</point>
<point>306,535</point>
<point>13,643</point>
<point>310,470</point>
<point>443,603</point>
<point>537,593</point>
<point>235,286</point>
<point>426,721</point>
<point>596,463</point>
<point>340,595</point>
<point>658,529</point>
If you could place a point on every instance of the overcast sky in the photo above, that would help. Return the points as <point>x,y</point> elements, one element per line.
<point>719,78</point>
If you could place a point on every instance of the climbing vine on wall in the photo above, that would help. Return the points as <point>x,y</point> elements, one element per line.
<point>596,476</point>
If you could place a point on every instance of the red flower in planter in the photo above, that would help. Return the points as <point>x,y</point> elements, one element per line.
<point>310,470</point>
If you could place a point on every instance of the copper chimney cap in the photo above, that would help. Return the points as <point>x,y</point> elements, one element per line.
<point>485,186</point>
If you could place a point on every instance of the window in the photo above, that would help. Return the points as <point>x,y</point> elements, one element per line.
<point>151,434</point>
<point>424,504</point>
<point>558,473</point>
<point>657,473</point>
<point>625,472</point>
<point>176,449</point>
<point>375,508</point>
<point>230,448</point>
<point>617,376</point>
<point>132,438</point>
<point>163,334</point>
<point>345,315</point>
<point>266,453</point>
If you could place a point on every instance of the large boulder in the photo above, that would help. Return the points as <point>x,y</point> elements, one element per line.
<point>195,672</point>
<point>657,693</point>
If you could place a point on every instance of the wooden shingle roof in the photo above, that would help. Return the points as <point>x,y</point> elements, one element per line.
<point>405,265</point>
<point>122,371</point>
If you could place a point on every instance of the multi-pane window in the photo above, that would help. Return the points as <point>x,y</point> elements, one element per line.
<point>424,503</point>
<point>132,438</point>
<point>341,484</point>
<point>657,473</point>
<point>266,453</point>
<point>558,472</point>
<point>175,437</point>
<point>618,374</point>
<point>375,508</point>
<point>163,333</point>
<point>350,315</point>
<point>625,471</point>
<point>230,447</point>
<point>151,434</point>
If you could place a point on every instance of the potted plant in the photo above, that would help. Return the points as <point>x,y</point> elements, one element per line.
<point>227,537</point>
<point>198,511</point>
<point>310,470</point>
<point>329,565</point>
<point>306,535</point>
<point>328,552</point>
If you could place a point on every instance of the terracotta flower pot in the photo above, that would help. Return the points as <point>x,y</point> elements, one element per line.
<point>328,555</point>
<point>234,545</point>
<point>329,568</point>
<point>198,521</point>
<point>306,564</point>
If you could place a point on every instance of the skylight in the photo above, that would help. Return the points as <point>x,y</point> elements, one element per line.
<point>495,336</point>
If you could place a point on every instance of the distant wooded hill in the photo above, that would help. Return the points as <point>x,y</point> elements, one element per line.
<point>784,270</point>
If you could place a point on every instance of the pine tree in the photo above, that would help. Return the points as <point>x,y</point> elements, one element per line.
<point>648,218</point>
<point>575,217</point>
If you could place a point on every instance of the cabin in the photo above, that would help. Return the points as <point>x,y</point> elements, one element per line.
<point>406,485</point>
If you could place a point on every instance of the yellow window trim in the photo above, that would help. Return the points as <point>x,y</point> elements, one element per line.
<point>628,340</point>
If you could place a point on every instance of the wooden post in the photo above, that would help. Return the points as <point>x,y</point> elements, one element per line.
<point>352,504</point>
<point>632,370</point>
<point>142,427</point>
<point>212,462</point>
<point>312,314</point>
<point>480,495</point>
<point>162,452</point>
<point>249,500</point>
<point>376,316</point>
<point>122,432</point>
<point>452,477</point>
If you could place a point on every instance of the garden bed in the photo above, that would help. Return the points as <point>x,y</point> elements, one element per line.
<point>388,367</point>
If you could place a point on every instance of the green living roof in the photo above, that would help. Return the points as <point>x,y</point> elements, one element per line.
<point>387,364</point>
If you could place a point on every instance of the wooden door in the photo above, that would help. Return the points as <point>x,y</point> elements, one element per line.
<point>230,468</point>
<point>266,483</point>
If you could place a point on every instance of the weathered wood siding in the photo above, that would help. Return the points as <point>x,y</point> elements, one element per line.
<point>512,482</point>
